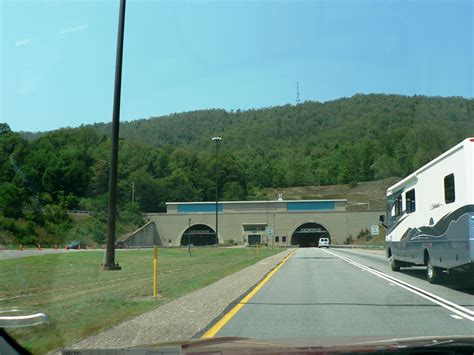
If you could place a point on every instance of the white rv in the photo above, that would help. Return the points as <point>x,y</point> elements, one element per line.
<point>430,215</point>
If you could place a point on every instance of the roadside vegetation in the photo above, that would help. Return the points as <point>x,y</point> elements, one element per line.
<point>81,300</point>
<point>347,141</point>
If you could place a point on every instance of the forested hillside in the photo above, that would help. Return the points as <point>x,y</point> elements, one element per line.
<point>172,158</point>
<point>361,138</point>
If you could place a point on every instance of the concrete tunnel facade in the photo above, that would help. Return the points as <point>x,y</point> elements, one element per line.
<point>280,222</point>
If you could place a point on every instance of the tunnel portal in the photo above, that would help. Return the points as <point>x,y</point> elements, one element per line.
<point>308,234</point>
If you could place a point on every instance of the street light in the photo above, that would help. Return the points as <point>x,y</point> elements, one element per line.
<point>217,140</point>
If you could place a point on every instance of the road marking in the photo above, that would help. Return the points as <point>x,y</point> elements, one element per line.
<point>453,307</point>
<point>455,316</point>
<point>227,317</point>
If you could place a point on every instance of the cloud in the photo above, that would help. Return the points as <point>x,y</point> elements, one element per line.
<point>22,42</point>
<point>82,27</point>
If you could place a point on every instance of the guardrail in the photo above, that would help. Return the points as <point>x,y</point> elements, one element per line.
<point>78,212</point>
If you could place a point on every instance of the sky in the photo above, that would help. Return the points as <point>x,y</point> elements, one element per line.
<point>57,57</point>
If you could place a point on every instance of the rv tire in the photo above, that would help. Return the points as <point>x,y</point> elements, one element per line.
<point>434,274</point>
<point>394,264</point>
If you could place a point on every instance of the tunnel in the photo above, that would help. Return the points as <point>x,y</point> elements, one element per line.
<point>308,234</point>
<point>199,234</point>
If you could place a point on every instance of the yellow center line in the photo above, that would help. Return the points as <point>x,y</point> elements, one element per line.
<point>227,317</point>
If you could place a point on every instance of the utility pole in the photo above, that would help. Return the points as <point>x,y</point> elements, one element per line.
<point>112,210</point>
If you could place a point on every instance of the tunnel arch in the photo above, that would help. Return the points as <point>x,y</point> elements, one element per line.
<point>198,234</point>
<point>307,234</point>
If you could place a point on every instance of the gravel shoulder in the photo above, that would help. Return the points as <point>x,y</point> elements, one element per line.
<point>15,254</point>
<point>186,316</point>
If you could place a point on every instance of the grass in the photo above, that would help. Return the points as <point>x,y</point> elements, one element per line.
<point>80,299</point>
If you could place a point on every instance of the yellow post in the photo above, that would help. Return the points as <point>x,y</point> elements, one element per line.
<point>155,271</point>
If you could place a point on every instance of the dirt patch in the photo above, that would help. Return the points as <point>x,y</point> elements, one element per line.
<point>371,194</point>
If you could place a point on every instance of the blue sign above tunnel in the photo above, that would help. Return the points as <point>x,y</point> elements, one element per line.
<point>199,207</point>
<point>311,206</point>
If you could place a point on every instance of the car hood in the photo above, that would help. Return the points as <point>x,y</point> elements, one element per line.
<point>331,344</point>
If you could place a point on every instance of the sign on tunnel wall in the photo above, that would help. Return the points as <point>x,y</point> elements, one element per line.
<point>310,230</point>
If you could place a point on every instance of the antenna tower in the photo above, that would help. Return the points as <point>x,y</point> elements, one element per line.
<point>297,93</point>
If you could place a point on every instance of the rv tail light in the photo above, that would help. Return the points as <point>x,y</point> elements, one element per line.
<point>471,139</point>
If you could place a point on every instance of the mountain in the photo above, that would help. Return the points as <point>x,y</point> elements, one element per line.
<point>172,158</point>
<point>361,138</point>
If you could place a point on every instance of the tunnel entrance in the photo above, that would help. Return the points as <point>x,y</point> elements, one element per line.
<point>308,234</point>
<point>199,234</point>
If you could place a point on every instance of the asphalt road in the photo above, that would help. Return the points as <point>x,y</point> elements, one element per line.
<point>346,293</point>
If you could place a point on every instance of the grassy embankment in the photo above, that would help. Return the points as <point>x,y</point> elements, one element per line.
<point>80,299</point>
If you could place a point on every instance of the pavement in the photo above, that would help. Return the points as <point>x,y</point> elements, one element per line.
<point>315,294</point>
<point>350,293</point>
<point>15,254</point>
<point>187,316</point>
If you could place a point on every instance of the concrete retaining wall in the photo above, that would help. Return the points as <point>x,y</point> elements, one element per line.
<point>146,236</point>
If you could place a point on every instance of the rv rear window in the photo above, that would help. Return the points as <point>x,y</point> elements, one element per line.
<point>410,205</point>
<point>449,191</point>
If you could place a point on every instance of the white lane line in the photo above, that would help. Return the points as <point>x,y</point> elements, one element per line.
<point>455,316</point>
<point>466,310</point>
<point>453,307</point>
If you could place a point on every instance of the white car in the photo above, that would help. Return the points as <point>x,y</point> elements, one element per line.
<point>323,242</point>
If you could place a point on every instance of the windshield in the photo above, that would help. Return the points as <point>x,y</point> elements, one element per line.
<point>175,170</point>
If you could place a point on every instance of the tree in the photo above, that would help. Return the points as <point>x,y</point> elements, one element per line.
<point>4,128</point>
<point>12,200</point>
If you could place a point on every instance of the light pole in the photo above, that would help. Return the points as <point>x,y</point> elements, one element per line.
<point>112,209</point>
<point>189,236</point>
<point>217,140</point>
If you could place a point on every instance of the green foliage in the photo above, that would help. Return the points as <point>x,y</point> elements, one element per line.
<point>172,158</point>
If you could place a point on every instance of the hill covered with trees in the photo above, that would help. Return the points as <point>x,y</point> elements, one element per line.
<point>172,158</point>
<point>361,138</point>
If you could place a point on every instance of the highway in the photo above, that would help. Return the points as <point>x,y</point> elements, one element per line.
<point>347,293</point>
